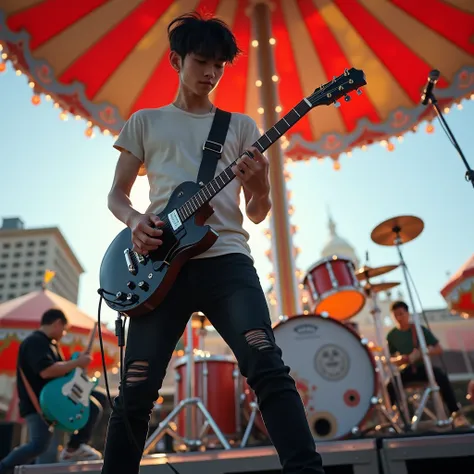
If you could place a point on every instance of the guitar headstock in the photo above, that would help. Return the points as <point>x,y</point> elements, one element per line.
<point>351,80</point>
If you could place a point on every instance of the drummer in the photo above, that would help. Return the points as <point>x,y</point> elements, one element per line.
<point>403,346</point>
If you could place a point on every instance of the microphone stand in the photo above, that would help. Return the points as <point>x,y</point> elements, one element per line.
<point>469,176</point>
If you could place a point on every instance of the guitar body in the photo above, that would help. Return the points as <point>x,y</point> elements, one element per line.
<point>141,289</point>
<point>65,400</point>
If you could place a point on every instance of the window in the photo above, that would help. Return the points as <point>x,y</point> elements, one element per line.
<point>41,263</point>
<point>19,245</point>
<point>13,285</point>
<point>26,274</point>
<point>43,243</point>
<point>30,253</point>
<point>42,252</point>
<point>31,243</point>
<point>17,255</point>
<point>7,245</point>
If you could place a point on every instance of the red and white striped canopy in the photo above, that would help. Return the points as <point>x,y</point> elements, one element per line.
<point>104,59</point>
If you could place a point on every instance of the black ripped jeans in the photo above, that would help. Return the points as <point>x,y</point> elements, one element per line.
<point>227,290</point>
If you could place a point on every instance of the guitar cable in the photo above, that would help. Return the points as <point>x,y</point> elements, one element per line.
<point>120,333</point>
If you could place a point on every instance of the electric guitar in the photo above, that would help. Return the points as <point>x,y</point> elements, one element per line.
<point>134,284</point>
<point>65,401</point>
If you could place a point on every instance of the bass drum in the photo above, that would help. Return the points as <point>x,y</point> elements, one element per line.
<point>334,373</point>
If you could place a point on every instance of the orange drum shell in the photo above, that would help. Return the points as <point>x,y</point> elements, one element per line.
<point>216,383</point>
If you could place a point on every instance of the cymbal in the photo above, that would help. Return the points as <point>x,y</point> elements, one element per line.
<point>365,272</point>
<point>405,227</point>
<point>199,320</point>
<point>378,287</point>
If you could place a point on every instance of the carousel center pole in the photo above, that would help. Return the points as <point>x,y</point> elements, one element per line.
<point>286,285</point>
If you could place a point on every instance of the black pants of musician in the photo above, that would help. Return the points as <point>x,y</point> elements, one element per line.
<point>228,291</point>
<point>445,388</point>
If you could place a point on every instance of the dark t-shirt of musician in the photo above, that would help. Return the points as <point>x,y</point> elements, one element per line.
<point>37,353</point>
<point>403,342</point>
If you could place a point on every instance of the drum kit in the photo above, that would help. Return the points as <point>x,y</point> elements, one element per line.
<point>340,376</point>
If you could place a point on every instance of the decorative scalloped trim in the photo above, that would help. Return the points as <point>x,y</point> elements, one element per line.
<point>107,117</point>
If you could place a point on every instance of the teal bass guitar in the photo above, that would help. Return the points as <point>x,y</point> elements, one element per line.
<point>65,401</point>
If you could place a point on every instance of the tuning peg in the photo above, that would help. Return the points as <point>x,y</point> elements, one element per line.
<point>346,72</point>
<point>359,92</point>
<point>334,78</point>
<point>337,104</point>
<point>347,98</point>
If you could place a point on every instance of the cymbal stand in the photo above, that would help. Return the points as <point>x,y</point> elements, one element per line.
<point>433,388</point>
<point>193,441</point>
<point>394,376</point>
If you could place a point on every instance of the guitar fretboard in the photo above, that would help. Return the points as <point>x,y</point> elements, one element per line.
<point>208,191</point>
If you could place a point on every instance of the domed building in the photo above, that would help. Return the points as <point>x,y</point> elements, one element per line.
<point>337,245</point>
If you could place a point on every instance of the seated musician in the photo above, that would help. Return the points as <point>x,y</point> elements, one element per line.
<point>406,354</point>
<point>40,359</point>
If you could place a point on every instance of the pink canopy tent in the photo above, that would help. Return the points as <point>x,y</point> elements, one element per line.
<point>459,290</point>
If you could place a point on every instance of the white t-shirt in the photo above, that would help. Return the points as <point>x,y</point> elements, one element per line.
<point>168,141</point>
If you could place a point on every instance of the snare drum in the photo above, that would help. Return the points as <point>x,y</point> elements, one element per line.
<point>334,373</point>
<point>217,385</point>
<point>334,288</point>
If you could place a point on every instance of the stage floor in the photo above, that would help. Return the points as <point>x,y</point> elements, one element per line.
<point>360,456</point>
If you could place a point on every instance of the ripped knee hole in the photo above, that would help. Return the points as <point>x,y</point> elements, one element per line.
<point>258,339</point>
<point>136,373</point>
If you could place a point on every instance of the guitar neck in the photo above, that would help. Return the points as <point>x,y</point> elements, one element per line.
<point>272,135</point>
<point>91,339</point>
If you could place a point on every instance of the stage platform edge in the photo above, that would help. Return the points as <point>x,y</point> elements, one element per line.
<point>449,453</point>
<point>360,454</point>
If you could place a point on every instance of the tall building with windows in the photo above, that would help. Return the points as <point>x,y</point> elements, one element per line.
<point>25,254</point>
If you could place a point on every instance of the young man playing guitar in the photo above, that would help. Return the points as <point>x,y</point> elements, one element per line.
<point>221,282</point>
<point>39,361</point>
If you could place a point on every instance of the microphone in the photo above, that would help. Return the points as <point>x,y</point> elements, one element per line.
<point>433,77</point>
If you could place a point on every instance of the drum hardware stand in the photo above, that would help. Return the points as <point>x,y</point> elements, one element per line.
<point>428,96</point>
<point>191,404</point>
<point>433,388</point>
<point>384,404</point>
<point>251,422</point>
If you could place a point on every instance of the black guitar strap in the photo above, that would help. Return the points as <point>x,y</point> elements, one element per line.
<point>214,145</point>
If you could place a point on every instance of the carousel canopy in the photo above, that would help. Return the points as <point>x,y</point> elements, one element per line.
<point>25,313</point>
<point>459,290</point>
<point>105,59</point>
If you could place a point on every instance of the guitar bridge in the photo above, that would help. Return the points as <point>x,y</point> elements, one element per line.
<point>131,261</point>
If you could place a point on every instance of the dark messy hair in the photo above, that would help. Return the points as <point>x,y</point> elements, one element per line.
<point>51,316</point>
<point>207,37</point>
<point>398,305</point>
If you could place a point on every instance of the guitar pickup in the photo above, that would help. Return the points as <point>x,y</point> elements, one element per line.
<point>130,261</point>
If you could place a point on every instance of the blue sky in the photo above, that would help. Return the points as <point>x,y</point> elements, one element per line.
<point>53,175</point>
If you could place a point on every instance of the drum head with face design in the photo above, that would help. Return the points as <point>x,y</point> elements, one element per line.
<point>333,370</point>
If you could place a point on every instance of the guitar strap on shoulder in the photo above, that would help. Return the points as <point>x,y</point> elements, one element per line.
<point>34,399</point>
<point>213,146</point>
